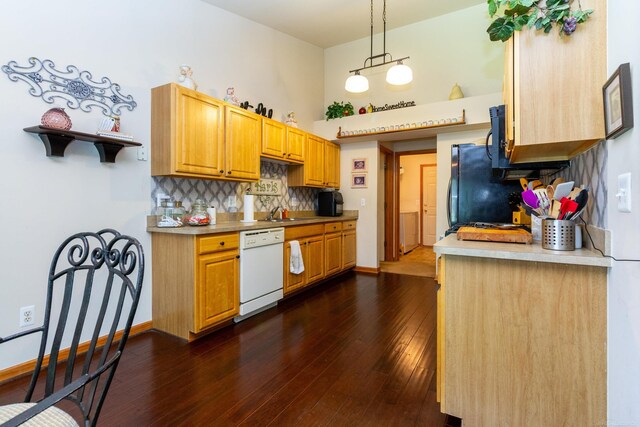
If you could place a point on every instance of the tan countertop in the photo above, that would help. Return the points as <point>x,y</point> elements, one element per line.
<point>231,226</point>
<point>450,245</point>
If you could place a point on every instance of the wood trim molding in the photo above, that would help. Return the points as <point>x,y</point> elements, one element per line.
<point>28,367</point>
<point>367,270</point>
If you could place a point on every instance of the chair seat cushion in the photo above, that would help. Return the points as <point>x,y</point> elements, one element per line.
<point>52,417</point>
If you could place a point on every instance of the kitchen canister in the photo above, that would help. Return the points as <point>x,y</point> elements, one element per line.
<point>558,235</point>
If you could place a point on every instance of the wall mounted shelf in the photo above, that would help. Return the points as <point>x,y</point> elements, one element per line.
<point>56,141</point>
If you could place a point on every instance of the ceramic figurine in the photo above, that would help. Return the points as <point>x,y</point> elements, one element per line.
<point>291,120</point>
<point>185,78</point>
<point>362,110</point>
<point>456,92</point>
<point>230,97</point>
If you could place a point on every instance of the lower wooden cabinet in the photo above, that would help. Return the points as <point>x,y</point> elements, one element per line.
<point>195,282</point>
<point>333,253</point>
<point>312,249</point>
<point>348,249</point>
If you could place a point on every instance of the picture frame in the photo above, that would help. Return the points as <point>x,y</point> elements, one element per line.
<point>358,180</point>
<point>618,103</point>
<point>359,165</point>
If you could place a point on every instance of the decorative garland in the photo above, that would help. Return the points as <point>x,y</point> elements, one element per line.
<point>541,14</point>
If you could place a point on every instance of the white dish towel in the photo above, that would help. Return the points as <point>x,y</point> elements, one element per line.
<point>296,265</point>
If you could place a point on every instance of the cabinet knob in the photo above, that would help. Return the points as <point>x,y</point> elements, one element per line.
<point>221,243</point>
<point>221,171</point>
<point>237,256</point>
<point>229,173</point>
<point>289,155</point>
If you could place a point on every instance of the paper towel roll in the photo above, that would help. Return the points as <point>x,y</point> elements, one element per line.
<point>212,215</point>
<point>248,208</point>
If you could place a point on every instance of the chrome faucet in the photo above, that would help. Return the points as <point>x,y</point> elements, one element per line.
<point>272,213</point>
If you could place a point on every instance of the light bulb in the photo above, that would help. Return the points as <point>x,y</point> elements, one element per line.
<point>399,74</point>
<point>356,83</point>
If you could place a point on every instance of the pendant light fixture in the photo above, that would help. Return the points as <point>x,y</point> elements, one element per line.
<point>399,74</point>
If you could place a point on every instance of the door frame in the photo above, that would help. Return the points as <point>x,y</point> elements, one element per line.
<point>398,155</point>
<point>389,207</point>
<point>422,168</point>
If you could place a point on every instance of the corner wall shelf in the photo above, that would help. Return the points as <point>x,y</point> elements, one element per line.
<point>56,141</point>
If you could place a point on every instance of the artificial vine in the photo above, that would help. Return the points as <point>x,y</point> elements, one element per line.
<point>514,15</point>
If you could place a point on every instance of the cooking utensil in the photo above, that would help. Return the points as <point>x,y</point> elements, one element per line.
<point>568,207</point>
<point>554,210</point>
<point>550,191</point>
<point>535,184</point>
<point>557,181</point>
<point>574,193</point>
<point>581,200</point>
<point>524,183</point>
<point>543,198</point>
<point>530,199</point>
<point>562,190</point>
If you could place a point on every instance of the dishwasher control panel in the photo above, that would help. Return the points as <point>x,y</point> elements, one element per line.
<point>257,238</point>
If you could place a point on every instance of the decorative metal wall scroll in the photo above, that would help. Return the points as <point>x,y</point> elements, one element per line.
<point>73,86</point>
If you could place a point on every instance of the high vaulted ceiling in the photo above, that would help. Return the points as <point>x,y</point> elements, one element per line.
<point>327,23</point>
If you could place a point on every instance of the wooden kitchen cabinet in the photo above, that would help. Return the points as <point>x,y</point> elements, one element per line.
<point>522,343</point>
<point>187,133</point>
<point>282,142</point>
<point>196,282</point>
<point>348,245</point>
<point>243,132</point>
<point>196,136</point>
<point>333,248</point>
<point>321,167</point>
<point>553,90</point>
<point>311,240</point>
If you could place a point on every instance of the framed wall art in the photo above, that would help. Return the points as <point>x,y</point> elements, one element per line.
<point>359,165</point>
<point>358,180</point>
<point>618,106</point>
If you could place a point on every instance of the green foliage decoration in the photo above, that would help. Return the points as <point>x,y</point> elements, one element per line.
<point>339,109</point>
<point>514,15</point>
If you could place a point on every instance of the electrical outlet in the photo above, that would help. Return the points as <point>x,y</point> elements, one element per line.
<point>160,197</point>
<point>624,192</point>
<point>26,315</point>
<point>231,201</point>
<point>363,202</point>
<point>142,153</point>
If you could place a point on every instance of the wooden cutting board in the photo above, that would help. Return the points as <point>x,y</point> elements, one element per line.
<point>516,235</point>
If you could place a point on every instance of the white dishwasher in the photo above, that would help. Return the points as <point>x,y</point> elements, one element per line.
<point>261,270</point>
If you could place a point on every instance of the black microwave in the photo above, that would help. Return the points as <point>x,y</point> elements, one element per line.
<point>496,146</point>
<point>330,203</point>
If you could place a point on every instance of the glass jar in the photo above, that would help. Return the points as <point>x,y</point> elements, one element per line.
<point>198,214</point>
<point>171,214</point>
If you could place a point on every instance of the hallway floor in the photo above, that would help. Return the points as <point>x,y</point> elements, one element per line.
<point>419,262</point>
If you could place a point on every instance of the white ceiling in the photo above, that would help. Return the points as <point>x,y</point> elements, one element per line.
<point>327,23</point>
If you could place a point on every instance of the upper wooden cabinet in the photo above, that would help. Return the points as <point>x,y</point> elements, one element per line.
<point>187,133</point>
<point>242,144</point>
<point>196,136</point>
<point>321,166</point>
<point>553,90</point>
<point>282,142</point>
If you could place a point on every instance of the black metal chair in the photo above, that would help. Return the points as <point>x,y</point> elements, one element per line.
<point>105,267</point>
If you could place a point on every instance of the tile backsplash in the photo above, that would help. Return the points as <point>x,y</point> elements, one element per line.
<point>590,169</point>
<point>217,193</point>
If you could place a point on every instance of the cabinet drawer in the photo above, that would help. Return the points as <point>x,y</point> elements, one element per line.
<point>349,225</point>
<point>332,227</point>
<point>218,242</point>
<point>293,233</point>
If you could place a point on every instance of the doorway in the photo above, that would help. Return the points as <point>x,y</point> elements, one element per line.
<point>428,201</point>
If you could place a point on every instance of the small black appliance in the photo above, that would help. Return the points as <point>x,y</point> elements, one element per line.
<point>330,203</point>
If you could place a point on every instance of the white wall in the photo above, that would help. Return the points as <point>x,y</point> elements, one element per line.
<point>138,45</point>
<point>444,50</point>
<point>623,323</point>
<point>368,220</point>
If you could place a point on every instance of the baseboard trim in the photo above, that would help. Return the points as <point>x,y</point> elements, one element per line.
<point>367,270</point>
<point>28,367</point>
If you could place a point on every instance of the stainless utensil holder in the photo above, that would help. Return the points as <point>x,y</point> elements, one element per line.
<point>558,235</point>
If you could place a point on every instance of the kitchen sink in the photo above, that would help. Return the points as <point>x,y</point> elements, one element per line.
<point>280,220</point>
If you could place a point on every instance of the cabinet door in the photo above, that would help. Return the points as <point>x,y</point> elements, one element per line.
<point>314,162</point>
<point>296,140</point>
<point>333,253</point>
<point>294,281</point>
<point>332,165</point>
<point>242,144</point>
<point>348,249</point>
<point>199,134</point>
<point>217,289</point>
<point>274,138</point>
<point>314,262</point>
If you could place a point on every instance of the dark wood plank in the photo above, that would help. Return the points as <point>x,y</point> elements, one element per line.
<point>357,350</point>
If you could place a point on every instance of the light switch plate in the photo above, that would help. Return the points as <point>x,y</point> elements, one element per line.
<point>231,201</point>
<point>363,202</point>
<point>624,192</point>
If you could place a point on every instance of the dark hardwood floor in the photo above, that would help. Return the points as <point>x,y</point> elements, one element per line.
<point>357,351</point>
